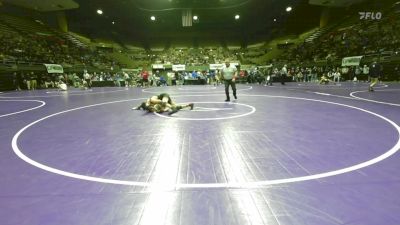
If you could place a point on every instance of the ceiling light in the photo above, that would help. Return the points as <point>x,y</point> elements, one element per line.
<point>237,17</point>
<point>113,22</point>
<point>99,11</point>
<point>288,9</point>
<point>195,17</point>
<point>274,20</point>
<point>153,18</point>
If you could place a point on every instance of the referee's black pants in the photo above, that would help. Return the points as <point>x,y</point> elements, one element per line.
<point>233,85</point>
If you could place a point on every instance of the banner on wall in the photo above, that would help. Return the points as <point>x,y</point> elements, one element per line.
<point>266,66</point>
<point>158,66</point>
<point>235,64</point>
<point>178,67</point>
<point>216,66</point>
<point>220,65</point>
<point>351,61</point>
<point>54,68</point>
<point>131,70</point>
<point>247,67</point>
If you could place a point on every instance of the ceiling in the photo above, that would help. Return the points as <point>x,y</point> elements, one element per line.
<point>45,5</point>
<point>129,20</point>
<point>216,19</point>
<point>335,3</point>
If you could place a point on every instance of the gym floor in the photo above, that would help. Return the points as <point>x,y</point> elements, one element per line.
<point>294,154</point>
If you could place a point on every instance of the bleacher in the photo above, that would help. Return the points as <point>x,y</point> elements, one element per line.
<point>4,29</point>
<point>25,25</point>
<point>320,44</point>
<point>28,42</point>
<point>71,38</point>
<point>318,33</point>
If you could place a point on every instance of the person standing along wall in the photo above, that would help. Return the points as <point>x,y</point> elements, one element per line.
<point>366,73</point>
<point>88,79</point>
<point>284,73</point>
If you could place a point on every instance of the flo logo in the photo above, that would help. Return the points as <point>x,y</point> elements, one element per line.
<point>370,15</point>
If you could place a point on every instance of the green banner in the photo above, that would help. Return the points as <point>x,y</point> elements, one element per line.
<point>54,68</point>
<point>351,61</point>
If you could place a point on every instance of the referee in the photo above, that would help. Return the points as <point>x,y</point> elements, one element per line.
<point>229,73</point>
<point>375,71</point>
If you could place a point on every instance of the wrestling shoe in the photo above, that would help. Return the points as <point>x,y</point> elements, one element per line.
<point>191,106</point>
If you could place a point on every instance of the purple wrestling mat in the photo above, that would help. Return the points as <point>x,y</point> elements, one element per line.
<point>299,154</point>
